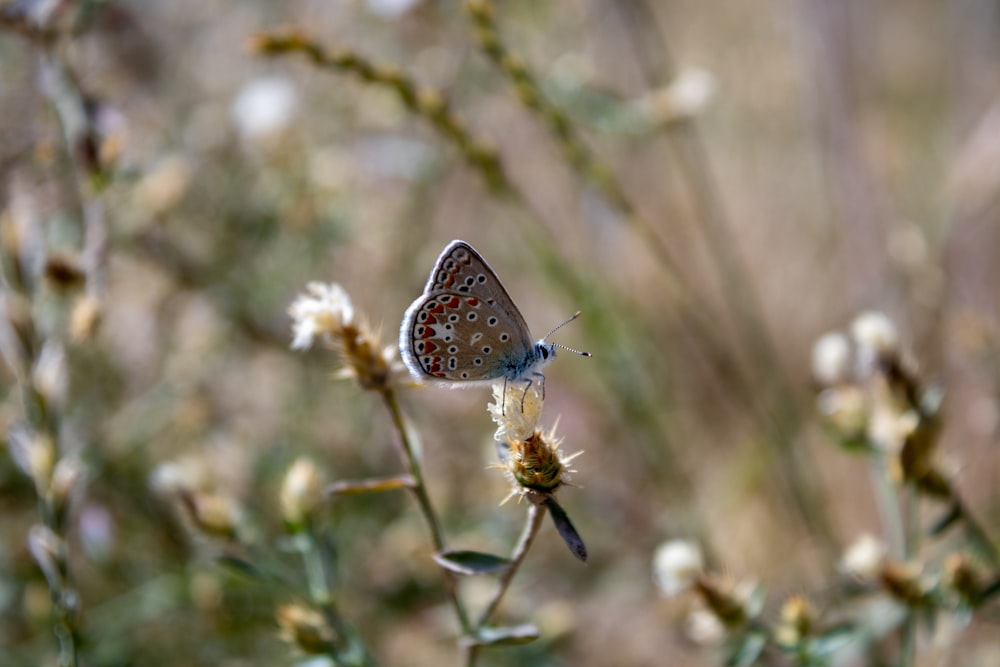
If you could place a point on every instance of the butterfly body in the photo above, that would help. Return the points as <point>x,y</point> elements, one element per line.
<point>465,329</point>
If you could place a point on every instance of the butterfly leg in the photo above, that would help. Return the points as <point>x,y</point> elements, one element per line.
<point>503,399</point>
<point>528,386</point>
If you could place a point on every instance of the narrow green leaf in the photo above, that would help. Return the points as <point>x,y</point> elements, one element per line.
<point>566,529</point>
<point>748,650</point>
<point>471,562</point>
<point>831,641</point>
<point>240,566</point>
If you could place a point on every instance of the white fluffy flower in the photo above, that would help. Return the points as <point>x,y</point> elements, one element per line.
<point>676,566</point>
<point>831,359</point>
<point>264,107</point>
<point>874,332</point>
<point>863,558</point>
<point>321,311</point>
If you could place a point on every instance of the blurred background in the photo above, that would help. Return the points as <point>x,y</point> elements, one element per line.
<point>777,168</point>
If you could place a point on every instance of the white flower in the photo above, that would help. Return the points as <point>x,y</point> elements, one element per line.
<point>875,335</point>
<point>321,311</point>
<point>703,627</point>
<point>831,359</point>
<point>515,409</point>
<point>264,108</point>
<point>863,558</point>
<point>676,566</point>
<point>686,96</point>
<point>390,9</point>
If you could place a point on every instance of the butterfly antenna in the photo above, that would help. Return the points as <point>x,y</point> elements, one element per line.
<point>569,349</point>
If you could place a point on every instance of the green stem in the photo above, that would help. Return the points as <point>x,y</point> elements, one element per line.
<point>409,455</point>
<point>888,505</point>
<point>536,514</point>
<point>348,646</point>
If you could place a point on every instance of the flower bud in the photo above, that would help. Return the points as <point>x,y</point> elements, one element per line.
<point>796,620</point>
<point>306,628</point>
<point>50,375</point>
<point>214,514</point>
<point>301,492</point>
<point>34,454</point>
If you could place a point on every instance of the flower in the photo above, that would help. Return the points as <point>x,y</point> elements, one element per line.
<point>684,97</point>
<point>323,311</point>
<point>516,411</point>
<point>264,108</point>
<point>876,337</point>
<point>864,558</point>
<point>676,566</point>
<point>831,359</point>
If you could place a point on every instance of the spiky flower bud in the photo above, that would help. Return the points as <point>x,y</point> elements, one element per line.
<point>535,463</point>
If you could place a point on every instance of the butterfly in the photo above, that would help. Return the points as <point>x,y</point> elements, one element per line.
<point>466,330</point>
